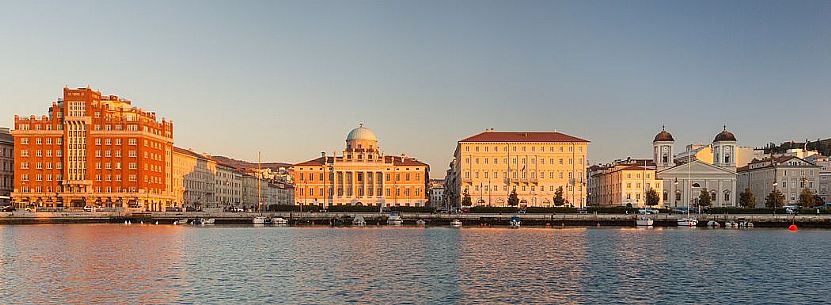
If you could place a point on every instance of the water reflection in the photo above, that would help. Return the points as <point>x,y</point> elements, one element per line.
<point>246,264</point>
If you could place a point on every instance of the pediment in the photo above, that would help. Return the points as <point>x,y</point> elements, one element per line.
<point>696,167</point>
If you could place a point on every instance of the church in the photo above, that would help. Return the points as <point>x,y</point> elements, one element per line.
<point>683,181</point>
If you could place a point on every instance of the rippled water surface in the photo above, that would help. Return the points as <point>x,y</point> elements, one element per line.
<point>109,263</point>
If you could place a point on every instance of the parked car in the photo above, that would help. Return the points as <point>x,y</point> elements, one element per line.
<point>650,211</point>
<point>792,209</point>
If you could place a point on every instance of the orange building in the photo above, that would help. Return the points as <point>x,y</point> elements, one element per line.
<point>361,176</point>
<point>93,150</point>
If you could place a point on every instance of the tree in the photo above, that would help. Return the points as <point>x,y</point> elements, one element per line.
<point>513,199</point>
<point>746,199</point>
<point>704,198</point>
<point>775,199</point>
<point>652,198</point>
<point>558,197</point>
<point>818,200</point>
<point>466,199</point>
<point>806,198</point>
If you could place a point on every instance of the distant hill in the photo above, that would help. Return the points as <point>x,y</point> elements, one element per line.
<point>822,146</point>
<point>245,164</point>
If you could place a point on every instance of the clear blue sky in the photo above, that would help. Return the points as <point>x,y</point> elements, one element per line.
<point>292,78</point>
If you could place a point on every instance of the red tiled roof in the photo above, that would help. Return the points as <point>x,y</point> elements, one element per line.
<point>314,162</point>
<point>395,160</point>
<point>405,161</point>
<point>522,136</point>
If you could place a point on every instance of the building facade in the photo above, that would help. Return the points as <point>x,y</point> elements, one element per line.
<point>193,179</point>
<point>6,166</point>
<point>624,183</point>
<point>788,174</point>
<point>684,182</point>
<point>488,166</point>
<point>227,187</point>
<point>437,193</point>
<point>361,175</point>
<point>93,150</point>
<point>704,153</point>
<point>824,191</point>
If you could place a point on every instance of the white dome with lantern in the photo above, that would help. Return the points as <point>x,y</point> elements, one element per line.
<point>361,138</point>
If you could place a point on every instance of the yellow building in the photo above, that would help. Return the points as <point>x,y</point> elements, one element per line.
<point>624,183</point>
<point>361,175</point>
<point>490,165</point>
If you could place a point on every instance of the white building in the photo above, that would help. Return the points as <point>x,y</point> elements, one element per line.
<point>437,193</point>
<point>227,186</point>
<point>683,183</point>
<point>789,174</point>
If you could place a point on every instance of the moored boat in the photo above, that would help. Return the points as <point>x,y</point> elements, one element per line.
<point>206,221</point>
<point>358,221</point>
<point>279,221</point>
<point>515,222</point>
<point>258,220</point>
<point>687,222</point>
<point>644,221</point>
<point>394,219</point>
<point>421,222</point>
<point>456,223</point>
<point>713,224</point>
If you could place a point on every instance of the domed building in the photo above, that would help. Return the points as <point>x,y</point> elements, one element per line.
<point>687,175</point>
<point>361,175</point>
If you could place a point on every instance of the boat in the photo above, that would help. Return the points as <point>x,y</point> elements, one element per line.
<point>279,221</point>
<point>358,221</point>
<point>515,222</point>
<point>182,221</point>
<point>259,220</point>
<point>456,223</point>
<point>206,221</point>
<point>731,224</point>
<point>713,224</point>
<point>394,219</point>
<point>644,221</point>
<point>421,222</point>
<point>687,222</point>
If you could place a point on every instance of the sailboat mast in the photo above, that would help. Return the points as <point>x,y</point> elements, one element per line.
<point>259,172</point>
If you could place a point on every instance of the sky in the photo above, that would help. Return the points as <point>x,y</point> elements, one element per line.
<point>292,78</point>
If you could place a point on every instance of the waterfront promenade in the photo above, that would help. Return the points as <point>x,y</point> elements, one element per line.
<point>469,219</point>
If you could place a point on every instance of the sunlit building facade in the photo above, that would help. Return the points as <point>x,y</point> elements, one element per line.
<point>361,175</point>
<point>193,179</point>
<point>488,166</point>
<point>93,150</point>
<point>624,183</point>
